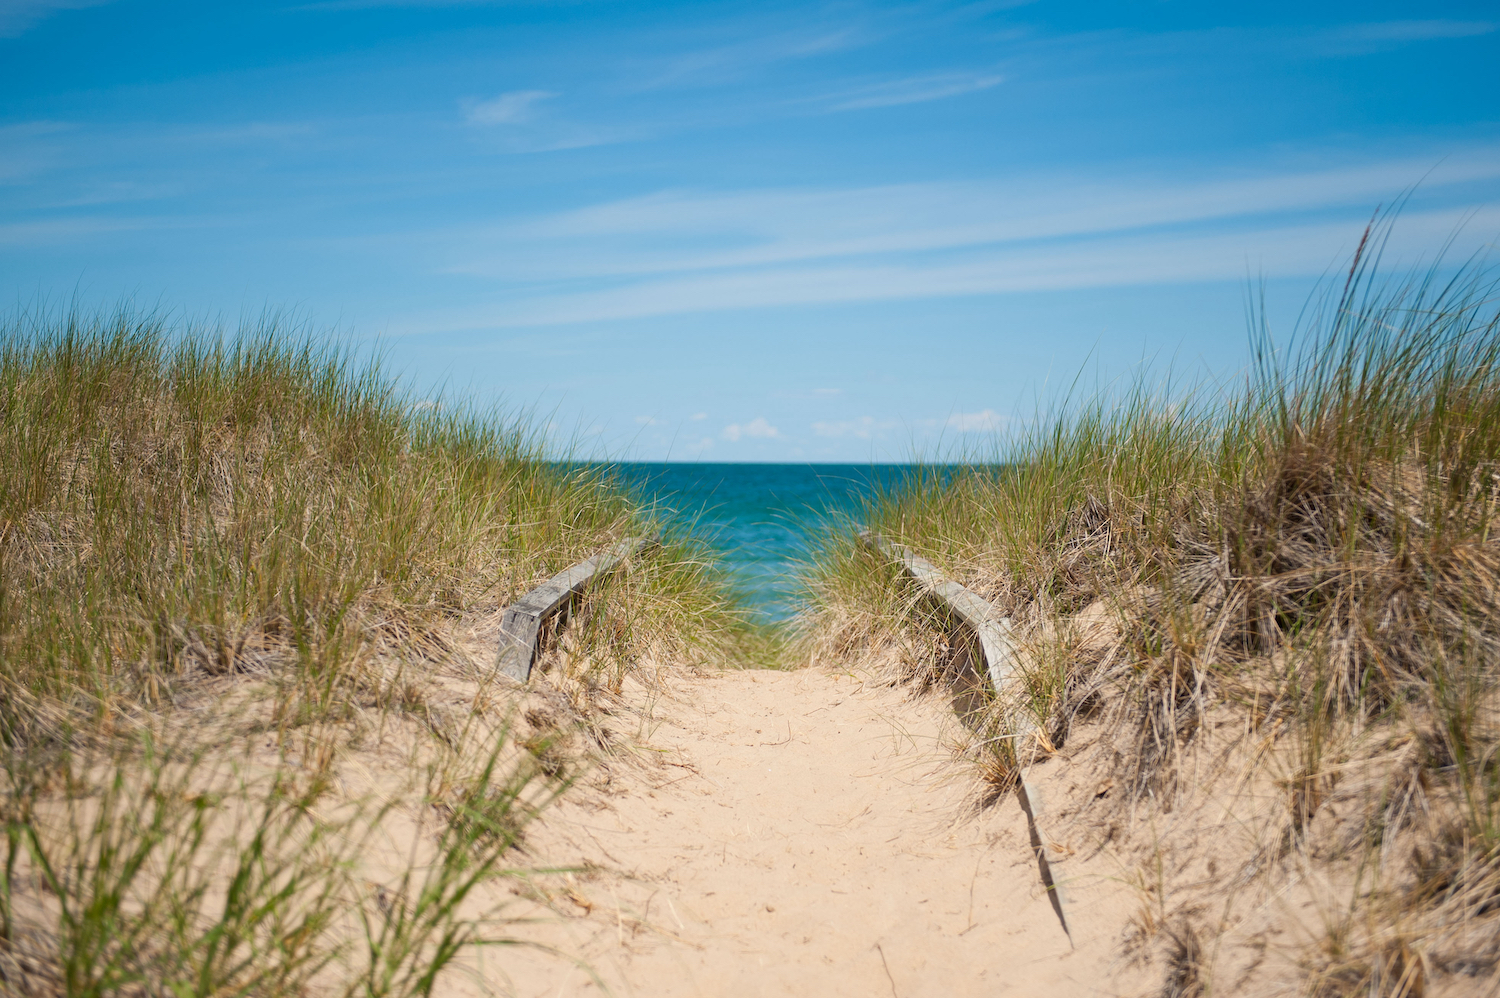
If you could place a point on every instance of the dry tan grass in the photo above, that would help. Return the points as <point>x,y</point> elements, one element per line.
<point>253,739</point>
<point>1307,568</point>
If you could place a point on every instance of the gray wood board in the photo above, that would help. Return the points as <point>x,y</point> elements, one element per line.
<point>999,650</point>
<point>521,626</point>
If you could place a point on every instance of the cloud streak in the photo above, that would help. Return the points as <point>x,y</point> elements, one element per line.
<point>511,108</point>
<point>1143,259</point>
<point>758,428</point>
<point>715,65</point>
<point>914,90</point>
<point>677,232</point>
<point>681,252</point>
<point>985,421</point>
<point>19,16</point>
<point>863,428</point>
<point>1382,36</point>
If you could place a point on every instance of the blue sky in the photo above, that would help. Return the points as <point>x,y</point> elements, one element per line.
<point>844,231</point>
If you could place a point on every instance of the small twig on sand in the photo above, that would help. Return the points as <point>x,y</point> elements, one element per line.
<point>887,967</point>
<point>972,881</point>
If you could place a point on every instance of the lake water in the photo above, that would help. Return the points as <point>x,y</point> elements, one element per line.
<point>762,516</point>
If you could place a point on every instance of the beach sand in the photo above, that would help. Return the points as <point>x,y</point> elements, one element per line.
<point>795,833</point>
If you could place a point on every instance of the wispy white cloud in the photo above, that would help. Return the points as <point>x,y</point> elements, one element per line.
<point>512,108</point>
<point>863,428</point>
<point>914,90</point>
<point>984,421</point>
<point>362,4</point>
<point>29,148</point>
<point>698,417</point>
<point>567,136</point>
<point>57,231</point>
<point>1118,48</point>
<point>650,421</point>
<point>31,129</point>
<point>677,232</point>
<point>69,142</point>
<point>711,65</point>
<point>815,393</point>
<point>245,132</point>
<point>1411,31</point>
<point>1141,259</point>
<point>113,192</point>
<point>513,122</point>
<point>19,16</point>
<point>1360,39</point>
<point>757,428</point>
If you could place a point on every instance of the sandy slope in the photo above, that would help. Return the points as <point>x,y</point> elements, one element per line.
<point>798,833</point>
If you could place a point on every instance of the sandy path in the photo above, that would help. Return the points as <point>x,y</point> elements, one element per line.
<point>803,834</point>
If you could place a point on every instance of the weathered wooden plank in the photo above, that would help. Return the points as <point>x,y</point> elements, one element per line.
<point>1000,660</point>
<point>969,607</point>
<point>521,626</point>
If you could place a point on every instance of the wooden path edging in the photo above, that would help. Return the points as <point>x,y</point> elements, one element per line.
<point>1000,661</point>
<point>521,628</point>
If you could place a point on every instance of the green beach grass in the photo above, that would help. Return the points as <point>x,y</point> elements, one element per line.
<point>230,563</point>
<point>1309,561</point>
<point>253,741</point>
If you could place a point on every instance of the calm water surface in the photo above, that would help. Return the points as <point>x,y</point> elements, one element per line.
<point>762,516</point>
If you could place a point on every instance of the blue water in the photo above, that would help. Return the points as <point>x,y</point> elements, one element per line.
<point>762,517</point>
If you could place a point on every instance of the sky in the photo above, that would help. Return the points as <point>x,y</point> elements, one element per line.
<point>808,231</point>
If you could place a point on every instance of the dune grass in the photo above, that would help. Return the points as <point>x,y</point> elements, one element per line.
<point>230,561</point>
<point>1314,551</point>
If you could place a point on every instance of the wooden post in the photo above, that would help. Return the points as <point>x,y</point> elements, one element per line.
<point>999,651</point>
<point>521,627</point>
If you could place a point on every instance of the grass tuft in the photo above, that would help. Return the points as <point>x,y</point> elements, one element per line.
<point>239,570</point>
<point>1309,559</point>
